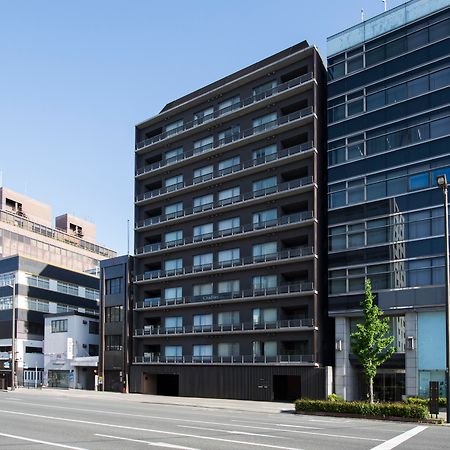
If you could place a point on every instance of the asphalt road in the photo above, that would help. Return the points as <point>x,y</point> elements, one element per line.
<point>82,420</point>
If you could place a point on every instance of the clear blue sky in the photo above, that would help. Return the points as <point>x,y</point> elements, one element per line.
<point>76,76</point>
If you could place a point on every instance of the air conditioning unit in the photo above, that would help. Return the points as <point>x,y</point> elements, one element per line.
<point>150,355</point>
<point>84,345</point>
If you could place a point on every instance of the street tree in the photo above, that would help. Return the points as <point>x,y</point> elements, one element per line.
<point>371,342</point>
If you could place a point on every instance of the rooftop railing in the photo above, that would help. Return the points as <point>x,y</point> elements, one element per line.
<point>240,359</point>
<point>233,263</point>
<point>235,200</point>
<point>52,233</point>
<point>227,110</point>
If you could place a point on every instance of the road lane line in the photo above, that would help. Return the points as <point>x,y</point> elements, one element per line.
<point>309,427</point>
<point>246,433</point>
<point>152,444</point>
<point>397,440</point>
<point>37,441</point>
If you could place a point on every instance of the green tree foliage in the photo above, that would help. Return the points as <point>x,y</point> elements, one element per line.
<point>371,342</point>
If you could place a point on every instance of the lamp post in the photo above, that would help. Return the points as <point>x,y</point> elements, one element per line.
<point>442,183</point>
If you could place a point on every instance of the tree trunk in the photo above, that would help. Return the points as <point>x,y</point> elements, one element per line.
<point>371,390</point>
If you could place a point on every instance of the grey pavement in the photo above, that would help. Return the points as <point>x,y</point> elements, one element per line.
<point>38,419</point>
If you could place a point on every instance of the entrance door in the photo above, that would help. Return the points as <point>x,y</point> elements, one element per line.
<point>286,388</point>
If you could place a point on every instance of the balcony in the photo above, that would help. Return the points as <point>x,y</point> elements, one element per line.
<point>250,327</point>
<point>231,110</point>
<point>291,255</point>
<point>282,189</point>
<point>241,359</point>
<point>289,290</point>
<point>229,234</point>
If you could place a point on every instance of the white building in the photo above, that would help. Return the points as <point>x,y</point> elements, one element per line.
<point>71,345</point>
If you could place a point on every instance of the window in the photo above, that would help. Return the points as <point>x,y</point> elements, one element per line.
<point>113,286</point>
<point>260,251</point>
<point>227,196</point>
<point>5,303</point>
<point>204,231</point>
<point>67,288</point>
<point>92,294</point>
<point>265,186</point>
<point>202,321</point>
<point>203,173</point>
<point>203,261</point>
<point>265,122</point>
<point>228,286</point>
<point>228,257</point>
<point>204,144</point>
<point>202,289</point>
<point>227,226</point>
<point>174,155</point>
<point>204,116</point>
<point>173,265</point>
<point>174,182</point>
<point>229,105</point>
<point>225,349</point>
<point>173,237</point>
<point>33,350</point>
<point>93,327</point>
<point>173,210</point>
<point>173,351</point>
<point>264,90</point>
<point>355,191</point>
<point>114,314</point>
<point>265,154</point>
<point>268,348</point>
<point>203,202</point>
<point>93,350</point>
<point>419,224</point>
<point>229,135</point>
<point>418,181</point>
<point>264,281</point>
<point>261,316</point>
<point>174,323</point>
<point>173,293</point>
<point>174,127</point>
<point>229,165</point>
<point>35,304</point>
<point>113,342</point>
<point>59,326</point>
<point>202,351</point>
<point>38,281</point>
<point>265,217</point>
<point>228,318</point>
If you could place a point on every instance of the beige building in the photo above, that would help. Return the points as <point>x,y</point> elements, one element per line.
<point>26,229</point>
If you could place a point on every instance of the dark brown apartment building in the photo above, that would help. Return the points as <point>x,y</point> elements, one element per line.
<point>229,295</point>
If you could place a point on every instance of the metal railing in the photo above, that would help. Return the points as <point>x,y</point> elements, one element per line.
<point>295,150</point>
<point>235,231</point>
<point>240,359</point>
<point>52,233</point>
<point>288,289</point>
<point>152,330</point>
<point>282,187</point>
<point>229,264</point>
<point>221,112</point>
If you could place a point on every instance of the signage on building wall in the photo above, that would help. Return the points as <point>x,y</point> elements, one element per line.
<point>69,348</point>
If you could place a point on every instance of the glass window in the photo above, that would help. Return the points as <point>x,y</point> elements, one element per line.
<point>204,144</point>
<point>356,279</point>
<point>227,196</point>
<point>229,135</point>
<point>336,156</point>
<point>261,250</point>
<point>201,320</point>
<point>229,105</point>
<point>419,272</point>
<point>203,202</point>
<point>174,209</point>
<point>265,154</point>
<point>338,238</point>
<point>203,173</point>
<point>440,79</point>
<point>440,30</point>
<point>417,39</point>
<point>356,191</point>
<point>418,181</point>
<point>59,326</point>
<point>437,222</point>
<point>173,351</point>
<point>113,342</point>
<point>264,90</point>
<point>336,113</point>
<point>337,280</point>
<point>417,86</point>
<point>336,71</point>
<point>225,349</point>
<point>265,122</point>
<point>173,236</point>
<point>267,315</point>
<point>264,281</point>
<point>202,350</point>
<point>114,314</point>
<point>228,286</point>
<point>229,225</point>
<point>377,231</point>
<point>376,100</point>
<point>174,322</point>
<point>265,217</point>
<point>354,63</point>
<point>355,107</point>
<point>174,127</point>
<point>419,224</point>
<point>355,151</point>
<point>173,181</point>
<point>114,285</point>
<point>173,264</point>
<point>202,289</point>
<point>203,116</point>
<point>397,182</point>
<point>396,93</point>
<point>375,56</point>
<point>204,231</point>
<point>438,270</point>
<point>440,127</point>
<point>356,235</point>
<point>173,293</point>
<point>262,186</point>
<point>227,257</point>
<point>204,260</point>
<point>228,165</point>
<point>174,155</point>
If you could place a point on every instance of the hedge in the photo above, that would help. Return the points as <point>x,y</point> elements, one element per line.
<point>424,401</point>
<point>412,411</point>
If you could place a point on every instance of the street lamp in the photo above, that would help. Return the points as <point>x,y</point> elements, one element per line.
<point>442,183</point>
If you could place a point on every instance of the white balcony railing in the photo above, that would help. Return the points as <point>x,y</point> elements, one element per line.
<point>240,359</point>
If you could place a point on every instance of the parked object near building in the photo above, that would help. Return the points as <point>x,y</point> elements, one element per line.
<point>229,260</point>
<point>71,349</point>
<point>389,138</point>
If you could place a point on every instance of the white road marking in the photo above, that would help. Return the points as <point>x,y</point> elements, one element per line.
<point>37,441</point>
<point>152,444</point>
<point>397,440</point>
<point>271,424</point>
<point>246,433</point>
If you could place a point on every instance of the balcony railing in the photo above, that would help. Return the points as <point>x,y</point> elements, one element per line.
<point>289,289</point>
<point>52,233</point>
<point>230,232</point>
<point>240,359</point>
<point>230,264</point>
<point>151,330</point>
<point>238,199</point>
<point>221,112</point>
